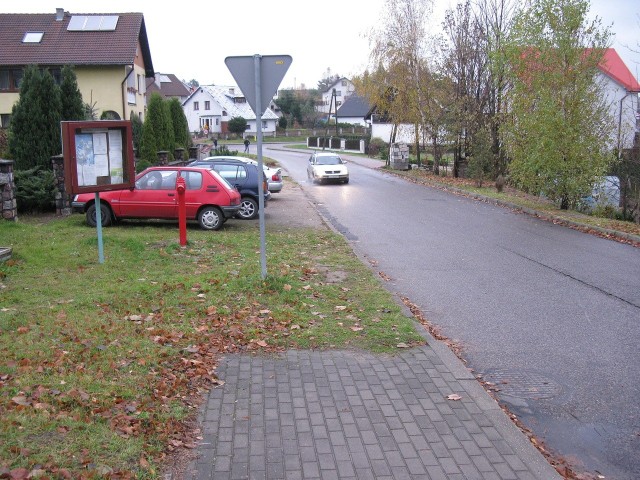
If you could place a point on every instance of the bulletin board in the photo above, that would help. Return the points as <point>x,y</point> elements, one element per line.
<point>98,156</point>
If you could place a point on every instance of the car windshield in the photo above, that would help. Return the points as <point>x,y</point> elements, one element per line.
<point>328,161</point>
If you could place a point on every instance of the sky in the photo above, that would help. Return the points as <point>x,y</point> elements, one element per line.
<point>323,38</point>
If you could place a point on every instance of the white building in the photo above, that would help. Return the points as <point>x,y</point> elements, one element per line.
<point>343,88</point>
<point>210,108</point>
<point>621,94</point>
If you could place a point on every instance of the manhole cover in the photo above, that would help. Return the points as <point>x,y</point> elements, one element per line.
<point>523,384</point>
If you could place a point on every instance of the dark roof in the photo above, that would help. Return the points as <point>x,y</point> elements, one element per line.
<point>354,106</point>
<point>172,88</point>
<point>62,47</point>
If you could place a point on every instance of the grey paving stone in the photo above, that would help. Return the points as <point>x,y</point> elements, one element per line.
<point>356,416</point>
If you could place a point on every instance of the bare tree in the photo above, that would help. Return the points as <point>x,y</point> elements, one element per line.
<point>496,18</point>
<point>397,57</point>
<point>467,65</point>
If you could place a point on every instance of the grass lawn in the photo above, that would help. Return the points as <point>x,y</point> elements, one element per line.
<point>102,366</point>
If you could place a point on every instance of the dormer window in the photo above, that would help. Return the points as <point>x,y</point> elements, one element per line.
<point>32,37</point>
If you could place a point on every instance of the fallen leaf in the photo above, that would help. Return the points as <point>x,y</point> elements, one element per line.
<point>402,345</point>
<point>454,396</point>
<point>357,329</point>
<point>287,287</point>
<point>339,308</point>
<point>261,343</point>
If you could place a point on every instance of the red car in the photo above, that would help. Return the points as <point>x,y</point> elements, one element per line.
<point>209,198</point>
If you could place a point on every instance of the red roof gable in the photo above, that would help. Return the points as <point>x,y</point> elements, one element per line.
<point>60,46</point>
<point>613,66</point>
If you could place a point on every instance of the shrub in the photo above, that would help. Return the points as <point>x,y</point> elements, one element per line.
<point>35,190</point>
<point>378,148</point>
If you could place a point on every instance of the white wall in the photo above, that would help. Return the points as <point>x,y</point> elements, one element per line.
<point>194,116</point>
<point>624,120</point>
<point>404,134</point>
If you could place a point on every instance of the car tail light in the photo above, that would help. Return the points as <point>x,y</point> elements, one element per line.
<point>275,177</point>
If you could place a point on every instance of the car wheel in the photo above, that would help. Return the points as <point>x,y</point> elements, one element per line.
<point>346,180</point>
<point>210,218</point>
<point>248,209</point>
<point>105,215</point>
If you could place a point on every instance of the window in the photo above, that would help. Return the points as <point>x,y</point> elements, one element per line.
<point>193,180</point>
<point>196,106</point>
<point>344,83</point>
<point>231,173</point>
<point>207,105</point>
<point>5,80</point>
<point>264,124</point>
<point>140,83</point>
<point>10,79</point>
<point>5,120</point>
<point>224,113</point>
<point>32,37</point>
<point>338,93</point>
<point>217,121</point>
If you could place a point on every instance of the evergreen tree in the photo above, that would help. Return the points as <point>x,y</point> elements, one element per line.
<point>180,124</point>
<point>148,152</point>
<point>168,140</point>
<point>72,104</point>
<point>34,135</point>
<point>136,131</point>
<point>157,133</point>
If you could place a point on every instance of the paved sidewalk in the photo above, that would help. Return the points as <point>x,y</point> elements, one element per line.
<point>355,415</point>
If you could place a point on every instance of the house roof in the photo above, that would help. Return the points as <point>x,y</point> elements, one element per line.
<point>613,66</point>
<point>227,97</point>
<point>354,106</point>
<point>167,85</point>
<point>60,46</point>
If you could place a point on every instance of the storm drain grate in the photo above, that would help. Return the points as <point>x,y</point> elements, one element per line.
<point>522,384</point>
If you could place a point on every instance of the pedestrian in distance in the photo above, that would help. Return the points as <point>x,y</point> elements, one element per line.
<point>246,145</point>
<point>215,143</point>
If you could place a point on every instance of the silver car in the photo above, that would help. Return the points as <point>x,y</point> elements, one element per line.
<point>327,166</point>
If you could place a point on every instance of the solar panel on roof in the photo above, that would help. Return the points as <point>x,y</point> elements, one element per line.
<point>92,23</point>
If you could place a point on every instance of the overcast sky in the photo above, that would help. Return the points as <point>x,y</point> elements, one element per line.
<point>191,40</point>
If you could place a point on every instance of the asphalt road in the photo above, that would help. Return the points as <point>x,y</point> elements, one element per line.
<point>548,314</point>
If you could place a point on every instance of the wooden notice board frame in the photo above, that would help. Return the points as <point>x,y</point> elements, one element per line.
<point>98,156</point>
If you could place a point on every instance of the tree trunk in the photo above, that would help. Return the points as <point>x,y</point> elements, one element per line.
<point>417,135</point>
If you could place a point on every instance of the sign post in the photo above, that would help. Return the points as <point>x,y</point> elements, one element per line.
<point>259,77</point>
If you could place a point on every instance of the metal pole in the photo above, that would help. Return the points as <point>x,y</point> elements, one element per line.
<point>99,228</point>
<point>258,112</point>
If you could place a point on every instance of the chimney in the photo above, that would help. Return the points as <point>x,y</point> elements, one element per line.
<point>59,14</point>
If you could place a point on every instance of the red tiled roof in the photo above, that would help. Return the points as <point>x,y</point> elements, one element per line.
<point>62,47</point>
<point>613,66</point>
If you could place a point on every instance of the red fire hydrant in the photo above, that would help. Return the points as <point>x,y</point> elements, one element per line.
<point>182,210</point>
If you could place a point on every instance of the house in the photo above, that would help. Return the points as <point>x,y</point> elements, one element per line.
<point>110,54</point>
<point>621,91</point>
<point>168,85</point>
<point>211,107</point>
<point>354,110</point>
<point>343,88</point>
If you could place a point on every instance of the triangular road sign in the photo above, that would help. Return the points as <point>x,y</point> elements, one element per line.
<point>272,70</point>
